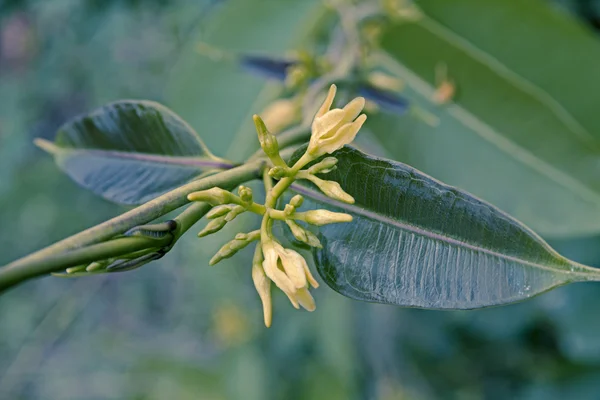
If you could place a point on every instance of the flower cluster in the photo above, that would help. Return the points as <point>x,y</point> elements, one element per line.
<point>272,263</point>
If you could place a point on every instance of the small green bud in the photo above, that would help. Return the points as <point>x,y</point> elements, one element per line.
<point>213,226</point>
<point>324,217</point>
<point>297,201</point>
<point>215,196</point>
<point>278,172</point>
<point>289,209</point>
<point>326,165</point>
<point>219,211</point>
<point>303,235</point>
<point>72,270</point>
<point>96,266</point>
<point>245,194</point>
<point>237,210</point>
<point>267,140</point>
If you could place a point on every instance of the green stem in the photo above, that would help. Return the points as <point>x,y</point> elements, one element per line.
<point>60,255</point>
<point>12,275</point>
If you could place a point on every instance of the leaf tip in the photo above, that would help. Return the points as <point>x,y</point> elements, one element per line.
<point>46,145</point>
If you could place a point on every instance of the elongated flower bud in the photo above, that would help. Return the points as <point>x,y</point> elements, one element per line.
<point>235,211</point>
<point>297,201</point>
<point>303,235</point>
<point>218,211</point>
<point>324,166</point>
<point>263,286</point>
<point>232,247</point>
<point>213,226</point>
<point>324,217</point>
<point>268,142</point>
<point>331,189</point>
<point>214,196</point>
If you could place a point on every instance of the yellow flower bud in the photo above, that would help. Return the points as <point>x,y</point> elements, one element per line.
<point>214,196</point>
<point>245,194</point>
<point>289,209</point>
<point>385,82</point>
<point>324,217</point>
<point>278,172</point>
<point>235,211</point>
<point>324,166</point>
<point>331,189</point>
<point>213,226</point>
<point>303,235</point>
<point>333,129</point>
<point>218,211</point>
<point>297,201</point>
<point>268,142</point>
<point>280,114</point>
<point>263,287</point>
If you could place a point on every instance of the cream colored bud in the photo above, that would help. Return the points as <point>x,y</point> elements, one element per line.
<point>218,211</point>
<point>324,166</point>
<point>332,189</point>
<point>303,235</point>
<point>267,140</point>
<point>245,194</point>
<point>96,266</point>
<point>263,287</point>
<point>213,226</point>
<point>384,81</point>
<point>297,201</point>
<point>214,196</point>
<point>280,114</point>
<point>324,217</point>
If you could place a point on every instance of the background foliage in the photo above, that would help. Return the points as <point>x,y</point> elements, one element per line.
<point>183,330</point>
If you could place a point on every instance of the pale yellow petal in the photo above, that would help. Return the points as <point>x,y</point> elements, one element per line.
<point>311,279</point>
<point>293,265</point>
<point>263,287</point>
<point>323,125</point>
<point>353,109</point>
<point>328,101</point>
<point>305,299</point>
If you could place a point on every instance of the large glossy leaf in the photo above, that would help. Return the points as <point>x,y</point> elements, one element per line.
<point>523,130</point>
<point>130,151</point>
<point>415,241</point>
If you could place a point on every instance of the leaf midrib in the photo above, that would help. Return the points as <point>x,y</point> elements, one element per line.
<point>363,212</point>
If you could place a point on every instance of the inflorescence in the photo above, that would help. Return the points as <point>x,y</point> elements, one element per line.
<point>331,130</point>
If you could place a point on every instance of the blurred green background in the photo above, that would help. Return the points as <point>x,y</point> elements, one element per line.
<point>180,329</point>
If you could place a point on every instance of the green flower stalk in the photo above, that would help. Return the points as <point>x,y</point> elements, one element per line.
<point>286,268</point>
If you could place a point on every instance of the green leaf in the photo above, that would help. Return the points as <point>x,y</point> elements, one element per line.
<point>523,131</point>
<point>417,242</point>
<point>130,151</point>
